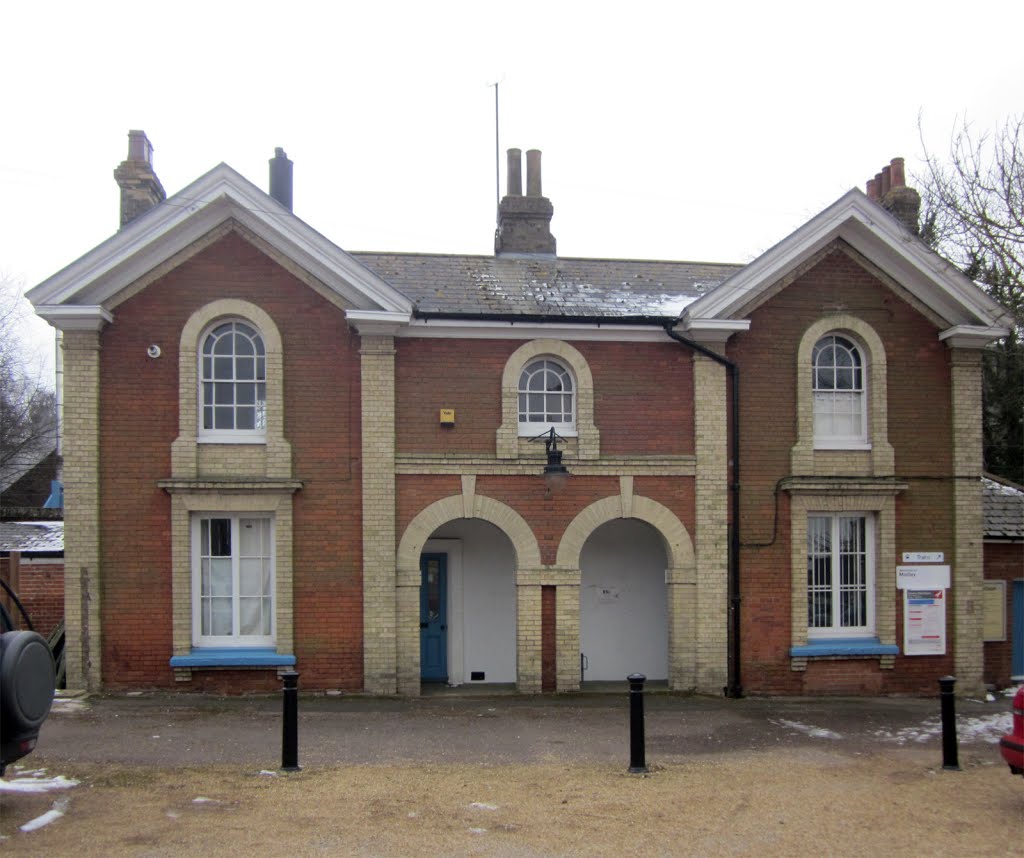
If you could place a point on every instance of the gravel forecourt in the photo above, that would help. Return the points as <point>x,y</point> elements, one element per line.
<point>163,774</point>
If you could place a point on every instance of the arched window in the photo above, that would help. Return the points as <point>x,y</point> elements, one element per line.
<point>840,412</point>
<point>233,381</point>
<point>546,398</point>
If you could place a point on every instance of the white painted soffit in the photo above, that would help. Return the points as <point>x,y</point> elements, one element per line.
<point>182,219</point>
<point>879,237</point>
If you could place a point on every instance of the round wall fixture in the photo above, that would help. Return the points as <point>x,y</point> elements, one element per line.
<point>153,351</point>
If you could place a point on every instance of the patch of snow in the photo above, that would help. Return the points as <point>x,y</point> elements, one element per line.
<point>52,815</point>
<point>479,805</point>
<point>204,800</point>
<point>810,730</point>
<point>1011,691</point>
<point>37,784</point>
<point>268,774</point>
<point>987,728</point>
<point>477,830</point>
<point>68,704</point>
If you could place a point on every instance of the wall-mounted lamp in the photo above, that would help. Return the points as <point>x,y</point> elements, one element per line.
<point>556,475</point>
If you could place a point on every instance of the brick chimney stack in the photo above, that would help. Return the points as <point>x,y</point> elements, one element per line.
<point>889,189</point>
<point>140,188</point>
<point>281,178</point>
<point>524,223</point>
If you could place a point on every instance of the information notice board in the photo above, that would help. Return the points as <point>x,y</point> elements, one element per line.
<point>924,622</point>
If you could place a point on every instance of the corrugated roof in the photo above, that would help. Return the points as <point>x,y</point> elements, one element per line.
<point>1004,510</point>
<point>32,537</point>
<point>514,285</point>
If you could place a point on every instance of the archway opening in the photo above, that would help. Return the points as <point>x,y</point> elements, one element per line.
<point>478,562</point>
<point>623,603</point>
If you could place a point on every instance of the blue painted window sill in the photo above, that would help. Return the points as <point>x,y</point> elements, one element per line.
<point>844,646</point>
<point>233,657</point>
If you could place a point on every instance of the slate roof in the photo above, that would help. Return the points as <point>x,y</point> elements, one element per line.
<point>32,537</point>
<point>27,458</point>
<point>1004,509</point>
<point>541,286</point>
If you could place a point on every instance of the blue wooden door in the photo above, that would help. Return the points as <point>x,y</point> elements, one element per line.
<point>1017,632</point>
<point>434,618</point>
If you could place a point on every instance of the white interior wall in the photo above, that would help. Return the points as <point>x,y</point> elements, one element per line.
<point>488,603</point>
<point>623,602</point>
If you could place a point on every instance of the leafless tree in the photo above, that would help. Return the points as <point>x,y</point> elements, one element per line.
<point>974,215</point>
<point>28,412</point>
<point>974,207</point>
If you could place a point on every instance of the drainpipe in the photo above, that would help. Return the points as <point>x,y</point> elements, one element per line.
<point>734,688</point>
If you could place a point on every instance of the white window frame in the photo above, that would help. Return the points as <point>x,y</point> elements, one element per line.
<point>234,640</point>
<point>230,436</point>
<point>530,429</point>
<point>836,630</point>
<point>821,397</point>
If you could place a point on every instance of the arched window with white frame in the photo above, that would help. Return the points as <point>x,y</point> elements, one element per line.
<point>839,388</point>
<point>233,382</point>
<point>547,398</point>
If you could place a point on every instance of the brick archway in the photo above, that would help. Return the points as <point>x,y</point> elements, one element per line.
<point>419,530</point>
<point>680,576</point>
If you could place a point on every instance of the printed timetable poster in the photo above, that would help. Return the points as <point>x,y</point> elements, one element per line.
<point>924,622</point>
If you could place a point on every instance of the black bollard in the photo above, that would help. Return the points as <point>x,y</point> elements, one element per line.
<point>950,760</point>
<point>290,723</point>
<point>637,764</point>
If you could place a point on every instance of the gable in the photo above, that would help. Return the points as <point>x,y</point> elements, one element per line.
<point>954,302</point>
<point>84,293</point>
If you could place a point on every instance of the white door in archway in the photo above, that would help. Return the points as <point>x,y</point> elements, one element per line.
<point>624,602</point>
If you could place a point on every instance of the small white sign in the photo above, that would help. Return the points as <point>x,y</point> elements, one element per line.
<point>607,595</point>
<point>924,622</point>
<point>923,557</point>
<point>922,577</point>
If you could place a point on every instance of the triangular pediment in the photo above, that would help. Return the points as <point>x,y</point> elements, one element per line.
<point>938,285</point>
<point>220,199</point>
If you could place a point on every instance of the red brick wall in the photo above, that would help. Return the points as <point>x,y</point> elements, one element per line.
<point>643,395</point>
<point>40,589</point>
<point>919,429</point>
<point>1004,561</point>
<point>139,421</point>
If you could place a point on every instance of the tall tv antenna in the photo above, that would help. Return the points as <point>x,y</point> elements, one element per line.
<point>497,148</point>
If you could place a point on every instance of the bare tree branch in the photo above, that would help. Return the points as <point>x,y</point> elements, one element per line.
<point>28,411</point>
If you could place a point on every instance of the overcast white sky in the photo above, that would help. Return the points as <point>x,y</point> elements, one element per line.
<point>669,130</point>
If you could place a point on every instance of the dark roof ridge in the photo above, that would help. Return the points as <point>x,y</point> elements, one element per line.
<point>545,258</point>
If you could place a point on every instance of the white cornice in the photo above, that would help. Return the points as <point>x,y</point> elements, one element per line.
<point>972,336</point>
<point>75,317</point>
<point>182,219</point>
<point>377,322</point>
<point>880,238</point>
<point>712,331</point>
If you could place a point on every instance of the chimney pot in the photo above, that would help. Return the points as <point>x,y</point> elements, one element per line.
<point>897,176</point>
<point>139,147</point>
<point>533,173</point>
<point>886,180</point>
<point>872,190</point>
<point>514,173</point>
<point>281,178</point>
